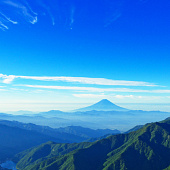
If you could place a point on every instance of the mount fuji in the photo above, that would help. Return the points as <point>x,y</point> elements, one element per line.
<point>103,105</point>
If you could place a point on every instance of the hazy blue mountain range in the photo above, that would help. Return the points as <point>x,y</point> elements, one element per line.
<point>103,105</point>
<point>23,112</point>
<point>62,137</point>
<point>86,132</point>
<point>14,140</point>
<point>17,136</point>
<point>51,113</point>
<point>145,149</point>
<point>68,134</point>
<point>122,120</point>
<point>53,121</point>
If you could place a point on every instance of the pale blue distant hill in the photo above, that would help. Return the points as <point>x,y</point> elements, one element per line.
<point>103,105</point>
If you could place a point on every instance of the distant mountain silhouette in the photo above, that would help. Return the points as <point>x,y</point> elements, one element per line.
<point>103,105</point>
<point>51,113</point>
<point>87,132</point>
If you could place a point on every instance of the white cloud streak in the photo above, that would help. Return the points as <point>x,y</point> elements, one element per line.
<point>7,79</point>
<point>115,16</point>
<point>126,98</point>
<point>72,16</point>
<point>30,7</point>
<point>8,19</point>
<point>3,90</point>
<point>3,26</point>
<point>48,11</point>
<point>105,96</point>
<point>93,89</point>
<point>23,11</point>
<point>82,80</point>
<point>90,95</point>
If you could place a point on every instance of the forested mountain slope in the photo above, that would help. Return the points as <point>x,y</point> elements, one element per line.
<point>147,148</point>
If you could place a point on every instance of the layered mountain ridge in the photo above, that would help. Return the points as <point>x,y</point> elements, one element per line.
<point>147,148</point>
<point>17,136</point>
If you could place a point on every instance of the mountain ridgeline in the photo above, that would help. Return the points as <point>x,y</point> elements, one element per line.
<point>142,147</point>
<point>103,114</point>
<point>19,136</point>
<point>148,148</point>
<point>103,105</point>
<point>14,140</point>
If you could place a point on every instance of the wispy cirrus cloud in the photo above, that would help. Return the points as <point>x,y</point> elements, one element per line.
<point>7,79</point>
<point>104,96</point>
<point>58,11</point>
<point>47,8</point>
<point>3,26</point>
<point>3,90</point>
<point>94,89</point>
<point>23,11</point>
<point>82,80</point>
<point>135,98</point>
<point>90,95</point>
<point>72,13</point>
<point>8,19</point>
<point>29,7</point>
<point>117,14</point>
<point>4,20</point>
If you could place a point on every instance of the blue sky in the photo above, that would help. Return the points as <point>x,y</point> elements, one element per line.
<point>82,51</point>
